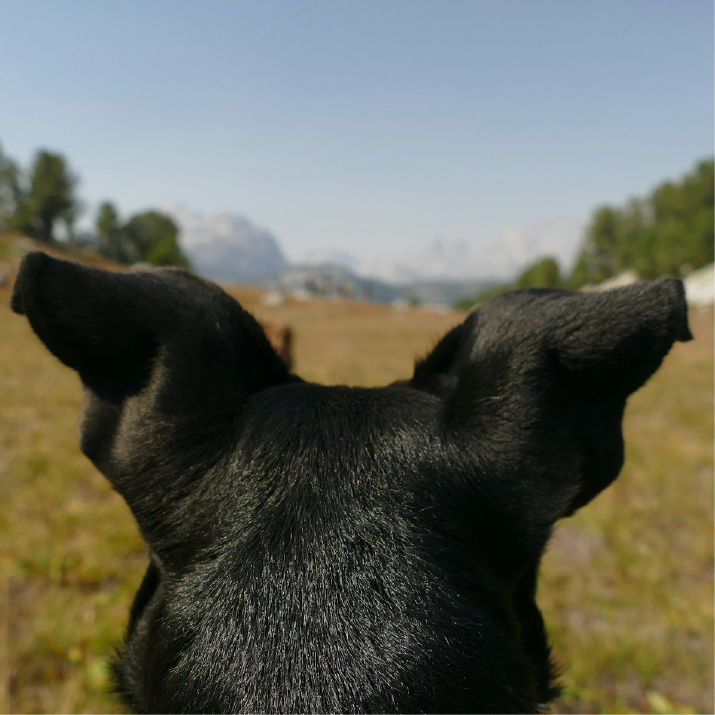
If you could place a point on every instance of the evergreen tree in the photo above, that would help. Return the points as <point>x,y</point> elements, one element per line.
<point>544,273</point>
<point>155,238</point>
<point>667,234</point>
<point>149,237</point>
<point>10,189</point>
<point>51,197</point>
<point>113,241</point>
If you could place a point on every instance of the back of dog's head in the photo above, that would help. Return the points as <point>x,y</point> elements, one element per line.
<point>342,549</point>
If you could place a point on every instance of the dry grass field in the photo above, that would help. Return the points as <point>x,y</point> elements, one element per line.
<point>626,589</point>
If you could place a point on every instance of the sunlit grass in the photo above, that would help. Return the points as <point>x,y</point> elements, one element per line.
<point>627,588</point>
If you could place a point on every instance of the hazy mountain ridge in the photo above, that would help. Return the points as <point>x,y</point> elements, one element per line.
<point>231,248</point>
<point>333,279</point>
<point>445,259</point>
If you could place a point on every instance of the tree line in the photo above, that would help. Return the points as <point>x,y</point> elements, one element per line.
<point>42,200</point>
<point>667,233</point>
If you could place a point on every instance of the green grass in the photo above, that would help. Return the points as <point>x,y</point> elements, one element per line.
<point>627,587</point>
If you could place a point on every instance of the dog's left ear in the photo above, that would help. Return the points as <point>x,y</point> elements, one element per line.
<point>549,372</point>
<point>179,341</point>
<point>115,328</point>
<point>168,361</point>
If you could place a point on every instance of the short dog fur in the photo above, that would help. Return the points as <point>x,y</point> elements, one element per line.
<point>337,549</point>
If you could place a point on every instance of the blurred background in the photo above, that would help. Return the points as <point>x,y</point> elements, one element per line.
<point>359,175</point>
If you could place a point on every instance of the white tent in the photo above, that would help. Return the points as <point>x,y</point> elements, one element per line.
<point>700,287</point>
<point>622,279</point>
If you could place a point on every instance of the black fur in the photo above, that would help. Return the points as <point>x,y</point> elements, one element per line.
<point>335,549</point>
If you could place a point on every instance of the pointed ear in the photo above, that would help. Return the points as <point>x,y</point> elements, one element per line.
<point>616,337</point>
<point>179,341</point>
<point>168,362</point>
<point>95,322</point>
<point>619,336</point>
<point>541,377</point>
<point>112,327</point>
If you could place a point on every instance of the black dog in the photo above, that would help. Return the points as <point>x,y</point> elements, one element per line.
<point>335,549</point>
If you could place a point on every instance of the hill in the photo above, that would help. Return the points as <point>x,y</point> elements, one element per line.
<point>330,279</point>
<point>228,247</point>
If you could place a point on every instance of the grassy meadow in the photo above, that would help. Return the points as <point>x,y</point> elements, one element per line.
<point>626,588</point>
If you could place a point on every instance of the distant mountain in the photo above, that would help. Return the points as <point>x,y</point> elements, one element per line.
<point>228,247</point>
<point>337,280</point>
<point>455,260</point>
<point>231,248</point>
<point>327,257</point>
<point>316,278</point>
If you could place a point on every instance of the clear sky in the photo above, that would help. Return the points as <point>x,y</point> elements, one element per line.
<point>357,125</point>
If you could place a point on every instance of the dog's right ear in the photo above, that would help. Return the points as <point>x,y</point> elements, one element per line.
<point>539,379</point>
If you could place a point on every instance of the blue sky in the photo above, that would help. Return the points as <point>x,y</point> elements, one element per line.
<point>362,126</point>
